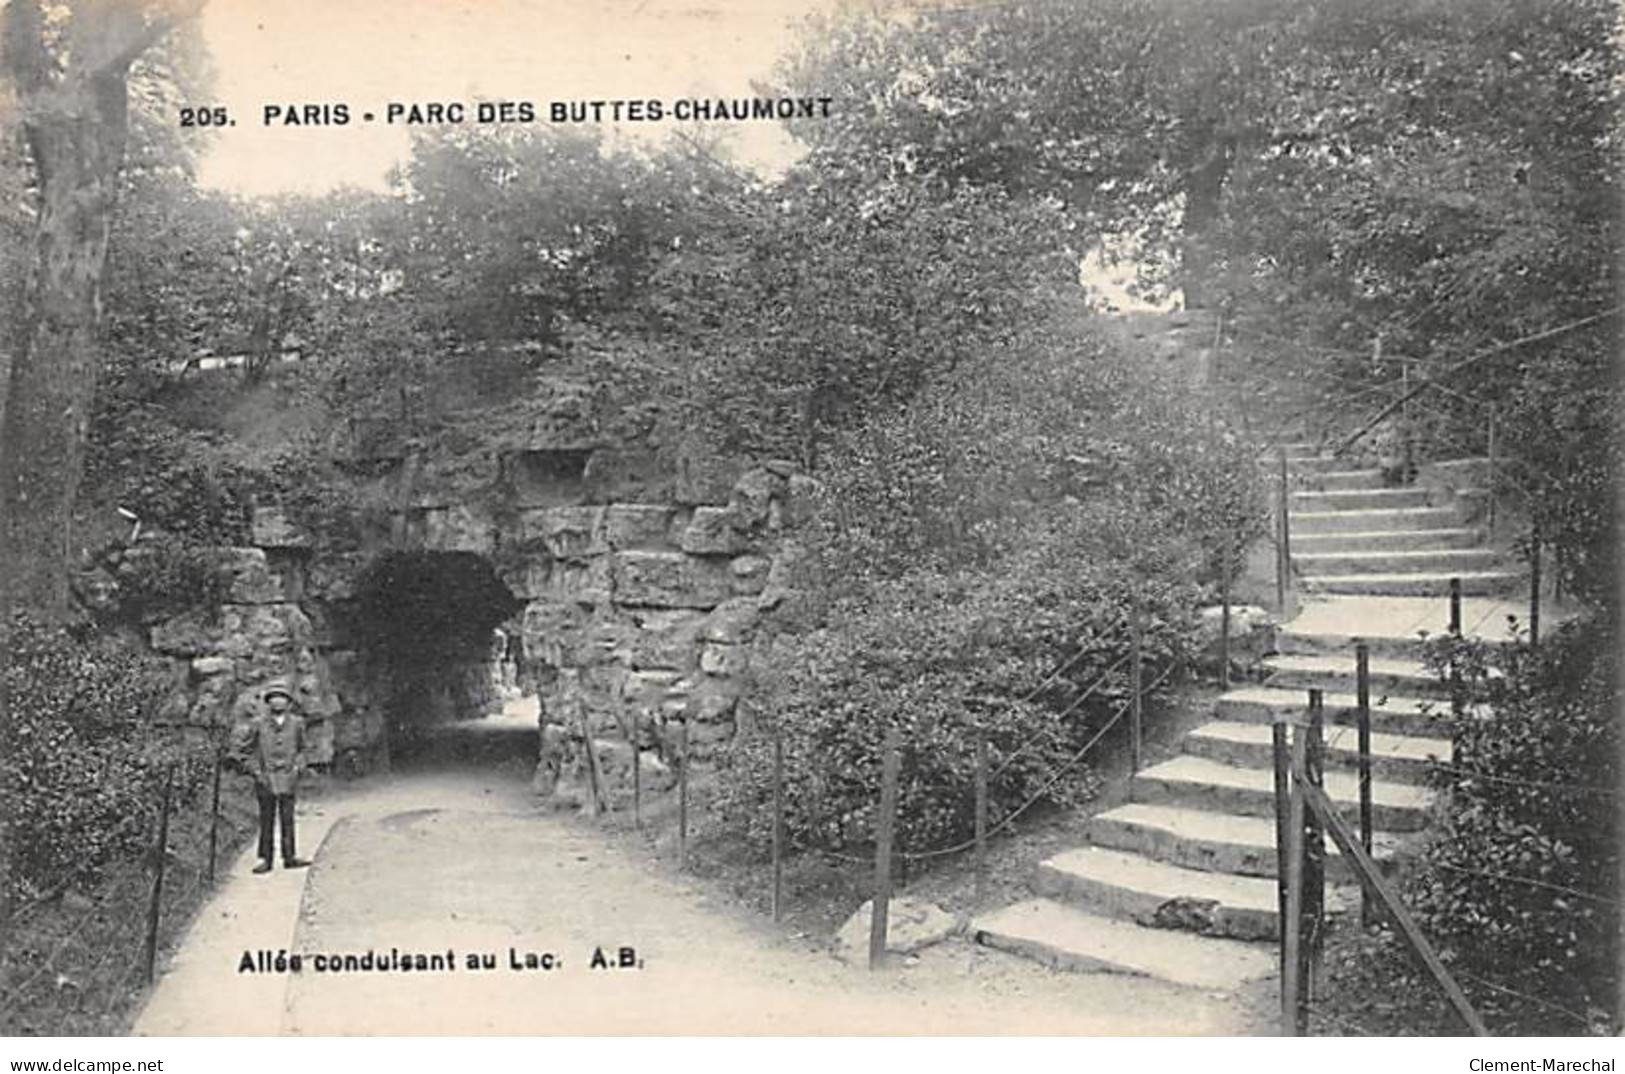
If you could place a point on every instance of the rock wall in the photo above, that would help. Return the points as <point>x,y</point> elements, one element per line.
<point>223,657</point>
<point>629,613</point>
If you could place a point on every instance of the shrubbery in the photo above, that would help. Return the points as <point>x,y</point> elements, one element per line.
<point>86,765</point>
<point>1520,880</point>
<point>966,547</point>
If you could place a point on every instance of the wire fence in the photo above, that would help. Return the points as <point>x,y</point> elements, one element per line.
<point>81,955</point>
<point>1300,794</point>
<point>885,857</point>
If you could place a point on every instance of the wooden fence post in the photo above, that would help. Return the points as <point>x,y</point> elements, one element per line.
<point>884,826</point>
<point>1491,449</point>
<point>1362,698</point>
<point>160,860</point>
<point>1224,615</point>
<point>981,814</point>
<point>1314,861</point>
<point>778,822</point>
<point>1135,707</point>
<point>214,811</point>
<point>1405,925</point>
<point>682,793</point>
<point>1292,998</point>
<point>634,737</point>
<point>1283,854</point>
<point>1283,552</point>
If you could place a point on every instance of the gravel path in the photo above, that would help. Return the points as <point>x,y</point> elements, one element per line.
<point>463,861</point>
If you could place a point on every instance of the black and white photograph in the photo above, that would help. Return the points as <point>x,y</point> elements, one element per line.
<point>811,518</point>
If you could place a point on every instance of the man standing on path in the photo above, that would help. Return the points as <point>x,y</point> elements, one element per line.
<point>270,747</point>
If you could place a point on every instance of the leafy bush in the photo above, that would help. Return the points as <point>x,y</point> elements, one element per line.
<point>161,574</point>
<point>1520,880</point>
<point>1006,525</point>
<point>86,764</point>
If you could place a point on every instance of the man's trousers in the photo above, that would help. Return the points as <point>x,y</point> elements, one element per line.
<point>274,807</point>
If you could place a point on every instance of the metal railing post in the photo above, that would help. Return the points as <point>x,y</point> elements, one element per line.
<point>682,793</point>
<point>1283,856</point>
<point>214,812</point>
<point>778,822</point>
<point>634,735</point>
<point>1283,550</point>
<point>1490,516</point>
<point>1224,616</point>
<point>1293,1009</point>
<point>160,860</point>
<point>1314,862</point>
<point>981,815</point>
<point>885,827</point>
<point>1135,710</point>
<point>1362,699</point>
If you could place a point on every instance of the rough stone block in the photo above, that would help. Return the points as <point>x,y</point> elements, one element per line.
<point>713,531</point>
<point>248,577</point>
<point>731,622</point>
<point>186,635</point>
<point>703,478</point>
<point>749,574</point>
<point>712,703</point>
<point>583,583</point>
<point>752,494</point>
<point>650,689</point>
<point>723,660</point>
<point>665,638</point>
<point>637,526</point>
<point>668,580</point>
<point>911,924</point>
<point>270,527</point>
<point>458,529</point>
<point>566,532</point>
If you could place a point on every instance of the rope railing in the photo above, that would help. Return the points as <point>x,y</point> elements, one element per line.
<point>1055,777</point>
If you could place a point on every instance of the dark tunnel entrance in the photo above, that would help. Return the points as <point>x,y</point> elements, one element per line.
<point>439,641</point>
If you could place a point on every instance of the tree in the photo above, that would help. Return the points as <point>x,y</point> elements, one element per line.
<point>72,87</point>
<point>72,90</point>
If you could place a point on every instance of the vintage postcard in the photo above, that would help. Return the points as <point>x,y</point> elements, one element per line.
<point>783,517</point>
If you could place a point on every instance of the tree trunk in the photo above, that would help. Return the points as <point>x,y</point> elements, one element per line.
<point>53,371</point>
<point>1204,186</point>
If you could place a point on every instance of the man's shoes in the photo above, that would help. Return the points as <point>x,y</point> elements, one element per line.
<point>262,866</point>
<point>293,863</point>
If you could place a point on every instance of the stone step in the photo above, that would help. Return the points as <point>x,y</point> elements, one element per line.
<point>1219,842</point>
<point>1203,784</point>
<point>1364,499</point>
<point>1295,642</point>
<point>1429,560</point>
<point>1367,520</point>
<point>1121,884</point>
<point>1389,714</point>
<point>1399,758</point>
<point>1340,480</point>
<point>1070,939</point>
<point>1297,466</point>
<point>1473,583</point>
<point>1402,618</point>
<point>1386,540</point>
<point>1334,672</point>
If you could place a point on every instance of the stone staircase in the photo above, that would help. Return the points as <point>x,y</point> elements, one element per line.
<point>1179,882</point>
